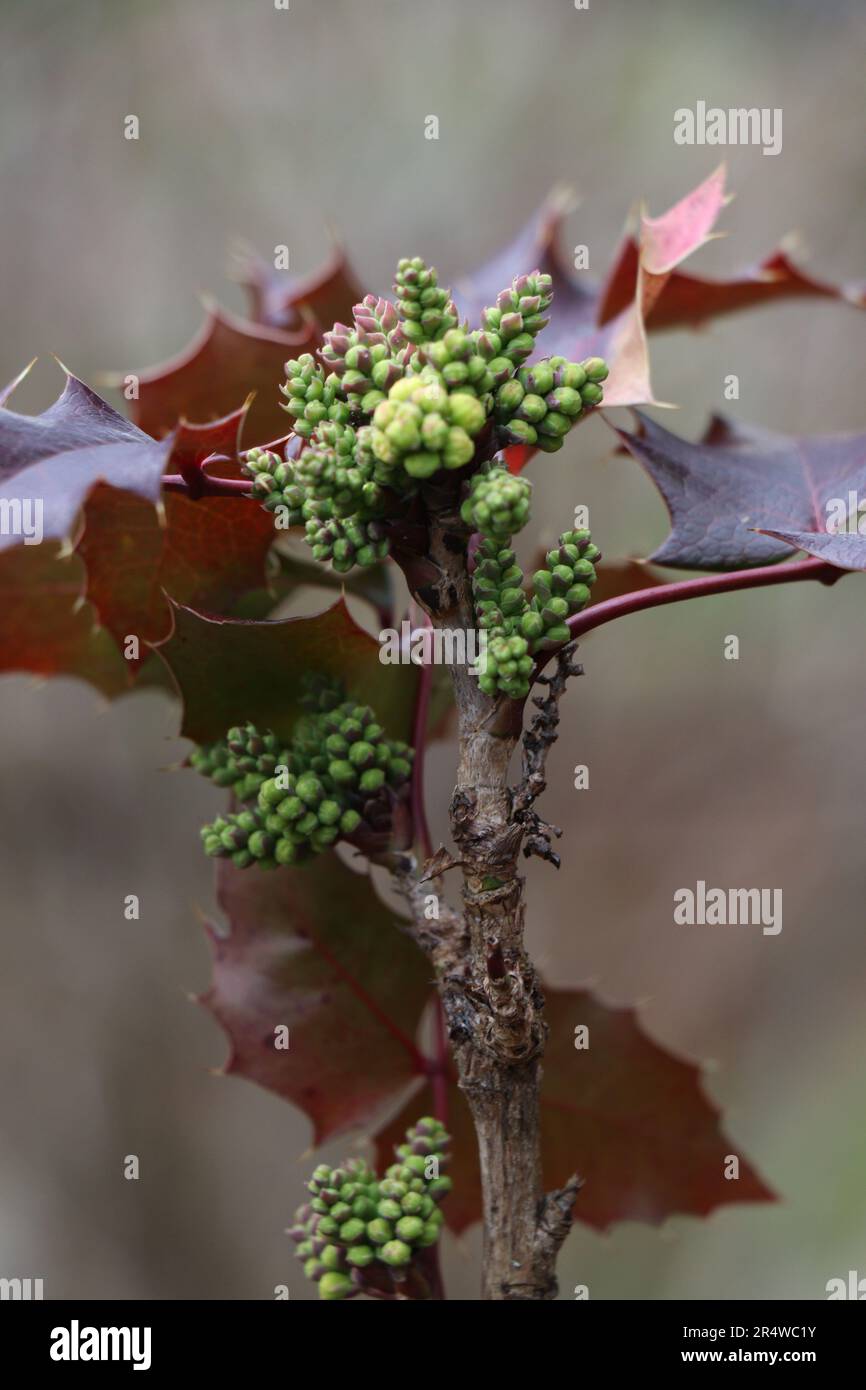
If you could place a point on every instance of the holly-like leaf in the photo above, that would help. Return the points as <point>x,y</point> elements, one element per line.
<point>55,459</point>
<point>47,628</point>
<point>208,554</point>
<point>536,247</point>
<point>373,583</point>
<point>664,243</point>
<point>644,290</point>
<point>228,671</point>
<point>725,493</point>
<point>285,301</point>
<point>845,550</point>
<point>195,445</point>
<point>576,329</point>
<point>689,301</point>
<point>624,1113</point>
<point>229,358</point>
<point>313,950</point>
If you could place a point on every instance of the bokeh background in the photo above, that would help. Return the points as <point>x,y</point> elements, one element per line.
<point>274,126</point>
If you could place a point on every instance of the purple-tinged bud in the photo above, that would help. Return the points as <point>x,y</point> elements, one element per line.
<point>510,324</point>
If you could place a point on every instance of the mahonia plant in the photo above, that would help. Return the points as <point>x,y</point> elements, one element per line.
<point>338,779</point>
<point>406,395</point>
<point>363,1234</point>
<point>409,429</point>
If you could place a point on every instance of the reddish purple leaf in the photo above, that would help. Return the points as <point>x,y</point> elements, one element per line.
<point>58,457</point>
<point>314,950</point>
<point>534,248</point>
<point>845,550</point>
<point>195,444</point>
<point>283,301</point>
<point>229,671</point>
<point>229,358</point>
<point>738,482</point>
<point>624,1113</point>
<point>207,554</point>
<point>47,628</point>
<point>688,301</point>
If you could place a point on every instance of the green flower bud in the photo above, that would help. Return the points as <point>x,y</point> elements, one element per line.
<point>361,754</point>
<point>565,401</point>
<point>508,398</point>
<point>389,1209</point>
<point>533,408</point>
<point>554,424</point>
<point>467,412</point>
<point>458,448</point>
<point>596,369</point>
<point>334,1285</point>
<point>409,1228</point>
<point>380,1231</point>
<point>591,394</point>
<point>518,431</point>
<point>396,1253</point>
<point>360,1256</point>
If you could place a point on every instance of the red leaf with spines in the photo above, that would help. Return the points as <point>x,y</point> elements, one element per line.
<point>228,671</point>
<point>283,301</point>
<point>228,358</point>
<point>207,554</point>
<point>314,950</point>
<point>58,457</point>
<point>46,626</point>
<point>734,493</point>
<point>626,1114</point>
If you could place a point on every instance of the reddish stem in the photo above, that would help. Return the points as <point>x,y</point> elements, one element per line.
<point>206,486</point>
<point>624,604</point>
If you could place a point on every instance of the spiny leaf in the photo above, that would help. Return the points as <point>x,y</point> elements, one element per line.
<point>575,329</point>
<point>737,482</point>
<point>664,242</point>
<point>45,625</point>
<point>844,549</point>
<point>373,583</point>
<point>194,445</point>
<point>625,1114</point>
<point>278,299</point>
<point>689,301</point>
<point>228,358</point>
<point>315,951</point>
<point>207,554</point>
<point>535,247</point>
<point>229,671</point>
<point>58,457</point>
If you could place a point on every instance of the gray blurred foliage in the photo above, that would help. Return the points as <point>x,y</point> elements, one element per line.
<point>272,126</point>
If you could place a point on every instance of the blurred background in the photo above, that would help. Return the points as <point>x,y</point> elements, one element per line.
<point>275,126</point>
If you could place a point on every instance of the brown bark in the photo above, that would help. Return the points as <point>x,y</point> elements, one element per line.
<point>490,992</point>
